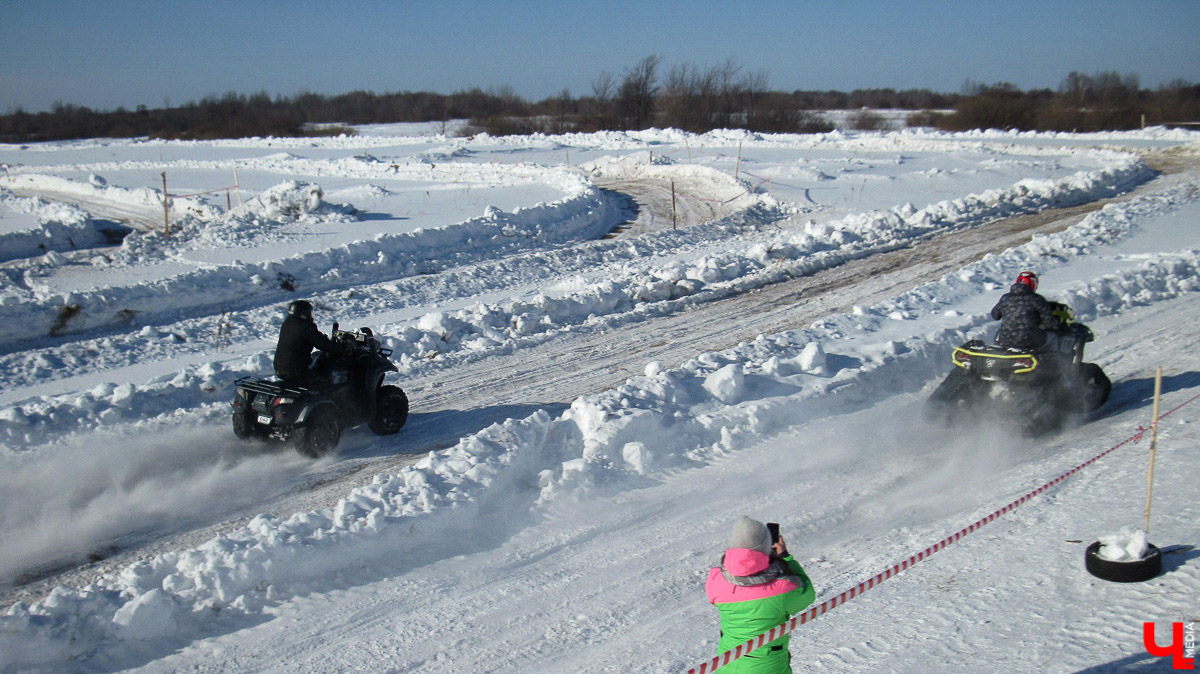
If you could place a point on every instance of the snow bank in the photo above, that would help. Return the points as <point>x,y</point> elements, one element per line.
<point>393,135</point>
<point>605,443</point>
<point>144,200</point>
<point>624,297</point>
<point>32,226</point>
<point>717,186</point>
<point>487,326</point>
<point>587,214</point>
<point>290,201</point>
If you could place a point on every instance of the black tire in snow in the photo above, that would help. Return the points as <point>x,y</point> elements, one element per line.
<point>955,394</point>
<point>1123,572</point>
<point>318,436</point>
<point>243,427</point>
<point>391,411</point>
<point>1096,385</point>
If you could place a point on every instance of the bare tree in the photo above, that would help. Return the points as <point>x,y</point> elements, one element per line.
<point>635,98</point>
<point>600,112</point>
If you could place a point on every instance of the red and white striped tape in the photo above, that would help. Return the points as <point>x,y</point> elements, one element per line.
<point>811,614</point>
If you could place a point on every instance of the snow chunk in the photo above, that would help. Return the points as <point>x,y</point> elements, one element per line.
<point>812,359</point>
<point>637,457</point>
<point>292,200</point>
<point>147,616</point>
<point>1127,545</point>
<point>727,384</point>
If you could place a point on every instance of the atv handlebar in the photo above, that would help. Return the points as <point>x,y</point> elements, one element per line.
<point>361,340</point>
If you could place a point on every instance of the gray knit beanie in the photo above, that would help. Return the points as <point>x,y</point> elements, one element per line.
<point>752,535</point>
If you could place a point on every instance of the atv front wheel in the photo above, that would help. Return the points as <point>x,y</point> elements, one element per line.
<point>1096,385</point>
<point>955,395</point>
<point>391,411</point>
<point>318,436</point>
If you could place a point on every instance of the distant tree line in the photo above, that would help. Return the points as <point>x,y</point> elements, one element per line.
<point>648,94</point>
<point>1105,101</point>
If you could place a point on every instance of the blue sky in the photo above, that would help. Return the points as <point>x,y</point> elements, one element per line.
<point>109,53</point>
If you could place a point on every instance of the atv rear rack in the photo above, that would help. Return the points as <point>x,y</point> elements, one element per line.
<point>268,387</point>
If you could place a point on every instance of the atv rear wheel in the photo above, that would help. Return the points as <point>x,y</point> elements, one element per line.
<point>318,436</point>
<point>391,411</point>
<point>1096,385</point>
<point>243,427</point>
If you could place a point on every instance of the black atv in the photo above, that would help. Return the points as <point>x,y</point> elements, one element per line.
<point>348,390</point>
<point>1038,390</point>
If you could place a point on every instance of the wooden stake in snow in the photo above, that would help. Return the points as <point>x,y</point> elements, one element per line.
<point>1153,442</point>
<point>738,167</point>
<point>166,208</point>
<point>237,187</point>
<point>689,149</point>
<point>674,224</point>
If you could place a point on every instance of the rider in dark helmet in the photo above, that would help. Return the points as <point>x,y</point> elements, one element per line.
<point>297,338</point>
<point>1024,315</point>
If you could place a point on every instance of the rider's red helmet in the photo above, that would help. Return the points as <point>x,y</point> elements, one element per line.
<point>1028,278</point>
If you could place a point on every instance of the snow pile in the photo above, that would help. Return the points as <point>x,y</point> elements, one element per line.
<point>616,440</point>
<point>34,423</point>
<point>197,335</point>
<point>907,223</point>
<point>1127,545</point>
<point>30,226</point>
<point>289,201</point>
<point>586,215</point>
<point>718,186</point>
<point>147,201</point>
<point>250,224</point>
<point>490,327</point>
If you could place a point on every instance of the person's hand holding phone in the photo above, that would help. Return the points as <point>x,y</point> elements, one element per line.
<point>777,543</point>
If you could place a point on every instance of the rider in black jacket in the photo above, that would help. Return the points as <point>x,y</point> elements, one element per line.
<point>297,338</point>
<point>1024,315</point>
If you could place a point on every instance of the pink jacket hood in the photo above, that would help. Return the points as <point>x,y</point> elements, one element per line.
<point>745,562</point>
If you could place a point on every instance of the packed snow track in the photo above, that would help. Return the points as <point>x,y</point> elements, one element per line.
<point>571,392</point>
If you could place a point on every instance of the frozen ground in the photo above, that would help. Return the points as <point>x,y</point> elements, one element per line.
<point>589,414</point>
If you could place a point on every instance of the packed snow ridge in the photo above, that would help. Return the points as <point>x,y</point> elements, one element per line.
<point>630,295</point>
<point>36,311</point>
<point>30,227</point>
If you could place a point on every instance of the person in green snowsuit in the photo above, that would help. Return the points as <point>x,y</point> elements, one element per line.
<point>756,587</point>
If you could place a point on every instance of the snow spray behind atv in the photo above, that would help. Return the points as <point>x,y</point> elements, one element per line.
<point>348,390</point>
<point>1039,390</point>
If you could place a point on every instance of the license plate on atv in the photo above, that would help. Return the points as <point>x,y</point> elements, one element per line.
<point>264,419</point>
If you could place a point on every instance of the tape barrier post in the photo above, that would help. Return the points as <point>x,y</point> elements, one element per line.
<point>833,602</point>
<point>166,207</point>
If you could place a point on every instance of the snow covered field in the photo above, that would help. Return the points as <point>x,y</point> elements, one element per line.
<point>553,506</point>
